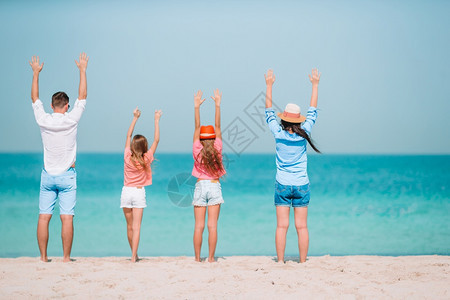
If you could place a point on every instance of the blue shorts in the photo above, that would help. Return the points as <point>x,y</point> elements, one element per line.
<point>207,193</point>
<point>63,187</point>
<point>291,195</point>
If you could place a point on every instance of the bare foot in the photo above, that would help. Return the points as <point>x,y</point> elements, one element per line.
<point>211,259</point>
<point>44,259</point>
<point>198,259</point>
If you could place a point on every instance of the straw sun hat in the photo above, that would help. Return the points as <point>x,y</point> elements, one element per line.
<point>292,114</point>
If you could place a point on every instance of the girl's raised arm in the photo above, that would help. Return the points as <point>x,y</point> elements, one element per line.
<point>270,79</point>
<point>217,98</point>
<point>136,115</point>
<point>314,78</point>
<point>197,102</point>
<point>152,149</point>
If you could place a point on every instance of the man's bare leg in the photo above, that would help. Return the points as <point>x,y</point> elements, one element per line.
<point>67,235</point>
<point>42,235</point>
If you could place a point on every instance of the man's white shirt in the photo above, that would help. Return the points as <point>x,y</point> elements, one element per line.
<point>59,136</point>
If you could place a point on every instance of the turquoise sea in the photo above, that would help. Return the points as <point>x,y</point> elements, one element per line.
<point>360,204</point>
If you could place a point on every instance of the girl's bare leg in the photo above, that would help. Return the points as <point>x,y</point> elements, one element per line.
<point>213,216</point>
<point>282,228</point>
<point>129,217</point>
<point>199,215</point>
<point>301,214</point>
<point>136,227</point>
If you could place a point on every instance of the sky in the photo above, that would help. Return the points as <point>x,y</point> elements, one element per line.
<point>384,64</point>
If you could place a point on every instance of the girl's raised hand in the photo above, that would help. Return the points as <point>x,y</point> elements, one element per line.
<point>270,77</point>
<point>158,114</point>
<point>136,113</point>
<point>217,97</point>
<point>315,76</point>
<point>198,99</point>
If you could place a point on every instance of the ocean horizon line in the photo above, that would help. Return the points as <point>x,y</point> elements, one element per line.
<point>243,154</point>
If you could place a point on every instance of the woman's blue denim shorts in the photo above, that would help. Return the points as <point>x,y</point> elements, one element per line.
<point>291,195</point>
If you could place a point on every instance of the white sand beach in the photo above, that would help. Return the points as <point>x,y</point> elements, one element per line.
<point>241,277</point>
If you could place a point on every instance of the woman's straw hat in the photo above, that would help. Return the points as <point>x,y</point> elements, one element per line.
<point>207,132</point>
<point>292,114</point>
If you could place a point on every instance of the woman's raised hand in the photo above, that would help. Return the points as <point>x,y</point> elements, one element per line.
<point>270,77</point>
<point>315,76</point>
<point>217,97</point>
<point>198,99</point>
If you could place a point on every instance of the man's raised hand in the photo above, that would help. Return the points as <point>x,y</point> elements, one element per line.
<point>82,64</point>
<point>35,66</point>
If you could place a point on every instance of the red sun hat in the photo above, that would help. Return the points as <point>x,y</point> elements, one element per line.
<point>207,132</point>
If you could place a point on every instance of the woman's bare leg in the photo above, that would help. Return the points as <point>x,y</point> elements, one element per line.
<point>301,214</point>
<point>282,228</point>
<point>213,216</point>
<point>199,215</point>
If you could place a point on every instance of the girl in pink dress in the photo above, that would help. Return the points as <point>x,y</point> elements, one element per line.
<point>208,168</point>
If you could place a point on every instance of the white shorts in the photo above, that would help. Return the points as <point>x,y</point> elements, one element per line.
<point>133,197</point>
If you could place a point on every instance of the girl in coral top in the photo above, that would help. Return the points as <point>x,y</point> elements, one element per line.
<point>137,174</point>
<point>208,168</point>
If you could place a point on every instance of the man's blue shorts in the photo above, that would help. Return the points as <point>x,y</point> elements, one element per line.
<point>63,187</point>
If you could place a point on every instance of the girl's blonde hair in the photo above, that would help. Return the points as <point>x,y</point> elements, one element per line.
<point>211,159</point>
<point>139,146</point>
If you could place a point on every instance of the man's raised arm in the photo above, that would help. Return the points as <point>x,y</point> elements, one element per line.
<point>36,67</point>
<point>82,65</point>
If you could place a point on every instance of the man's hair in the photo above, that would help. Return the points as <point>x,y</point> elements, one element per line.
<point>60,99</point>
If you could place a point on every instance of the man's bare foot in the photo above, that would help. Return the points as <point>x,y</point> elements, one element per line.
<point>44,259</point>
<point>211,259</point>
<point>68,259</point>
<point>198,259</point>
<point>135,259</point>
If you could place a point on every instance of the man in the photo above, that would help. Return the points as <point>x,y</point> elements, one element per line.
<point>58,178</point>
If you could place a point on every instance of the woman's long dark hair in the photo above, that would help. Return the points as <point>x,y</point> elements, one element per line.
<point>295,127</point>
